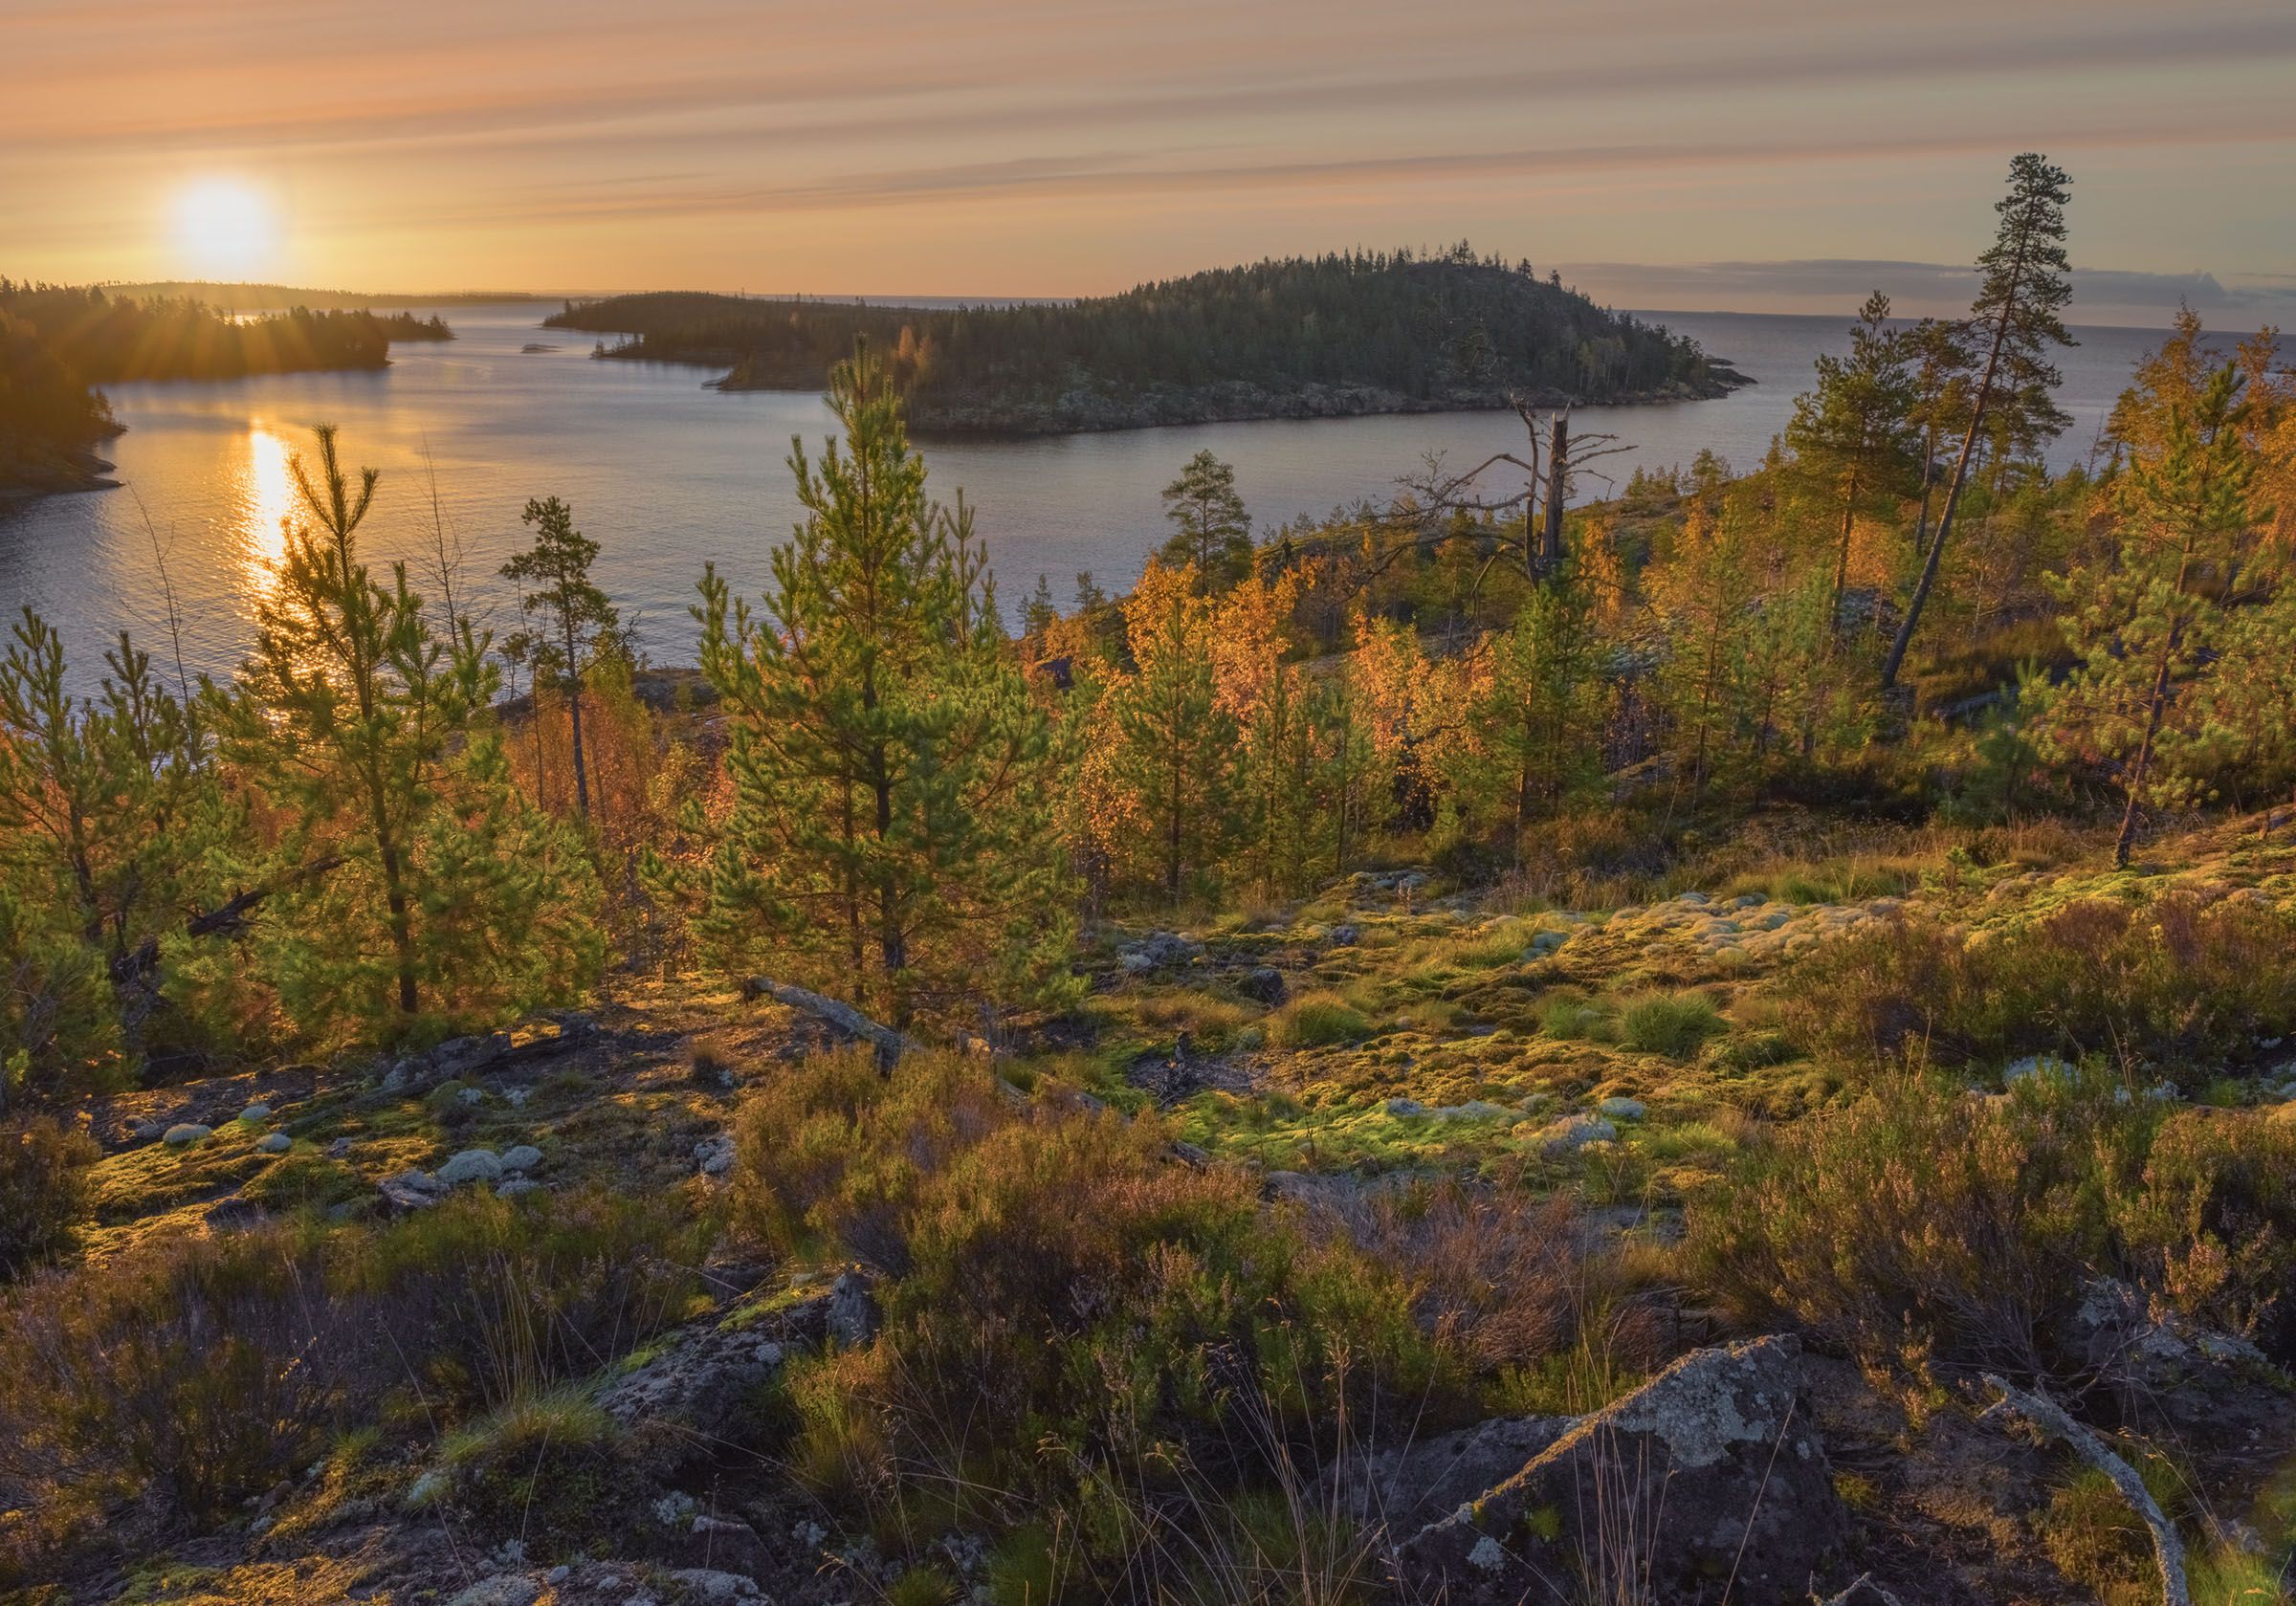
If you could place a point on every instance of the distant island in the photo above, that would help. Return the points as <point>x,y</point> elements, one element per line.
<point>59,342</point>
<point>1336,335</point>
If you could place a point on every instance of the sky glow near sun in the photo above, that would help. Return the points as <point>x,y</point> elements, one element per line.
<point>223,228</point>
<point>1766,154</point>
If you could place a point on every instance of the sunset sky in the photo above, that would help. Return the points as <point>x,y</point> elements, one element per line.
<point>1756,154</point>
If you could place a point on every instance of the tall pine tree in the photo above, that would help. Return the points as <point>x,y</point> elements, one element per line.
<point>891,777</point>
<point>2017,318</point>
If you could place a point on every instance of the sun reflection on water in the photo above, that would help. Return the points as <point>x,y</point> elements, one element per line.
<point>266,498</point>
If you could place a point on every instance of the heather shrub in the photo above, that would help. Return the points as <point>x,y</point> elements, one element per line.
<point>194,1375</point>
<point>1920,1224</point>
<point>2179,985</point>
<point>43,1192</point>
<point>1076,1317</point>
<point>492,1301</point>
<point>1924,1225</point>
<point>830,1156</point>
<point>2209,1225</point>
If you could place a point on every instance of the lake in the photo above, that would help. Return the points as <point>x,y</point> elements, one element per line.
<point>665,474</point>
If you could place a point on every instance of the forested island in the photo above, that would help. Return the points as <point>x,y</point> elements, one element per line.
<point>58,342</point>
<point>1335,336</point>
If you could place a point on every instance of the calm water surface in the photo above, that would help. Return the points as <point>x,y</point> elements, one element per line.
<point>665,475</point>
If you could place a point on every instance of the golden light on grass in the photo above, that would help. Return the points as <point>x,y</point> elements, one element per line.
<point>224,229</point>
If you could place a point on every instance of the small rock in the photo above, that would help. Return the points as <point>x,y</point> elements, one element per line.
<point>1575,1131</point>
<point>341,1147</point>
<point>471,1095</point>
<point>472,1165</point>
<point>853,1313</point>
<point>1265,984</point>
<point>703,1584</point>
<point>511,1187</point>
<point>1405,1107</point>
<point>1344,936</point>
<point>508,1589</point>
<point>255,1112</point>
<point>523,1157</point>
<point>185,1134</point>
<point>1692,898</point>
<point>714,1157</point>
<point>275,1143</point>
<point>1622,1108</point>
<point>1133,962</point>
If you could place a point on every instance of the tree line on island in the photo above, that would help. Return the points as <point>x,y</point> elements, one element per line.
<point>1358,332</point>
<point>59,342</point>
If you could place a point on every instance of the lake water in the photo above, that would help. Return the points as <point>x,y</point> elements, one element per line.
<point>665,474</point>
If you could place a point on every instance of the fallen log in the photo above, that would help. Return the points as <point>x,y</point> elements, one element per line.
<point>2050,1418</point>
<point>889,1045</point>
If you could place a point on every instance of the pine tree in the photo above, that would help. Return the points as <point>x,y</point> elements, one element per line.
<point>891,818</point>
<point>1212,532</point>
<point>369,728</point>
<point>575,612</point>
<point>2017,316</point>
<point>2151,621</point>
<point>1176,749</point>
<point>1701,598</point>
<point>1938,352</point>
<point>1851,437</point>
<point>1546,703</point>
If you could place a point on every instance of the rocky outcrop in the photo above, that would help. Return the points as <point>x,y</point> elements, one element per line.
<point>1710,1479</point>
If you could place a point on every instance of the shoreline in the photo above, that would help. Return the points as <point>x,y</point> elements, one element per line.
<point>1088,413</point>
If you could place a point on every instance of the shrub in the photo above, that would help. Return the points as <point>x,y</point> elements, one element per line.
<point>43,1192</point>
<point>1924,1225</point>
<point>194,1374</point>
<point>1078,1319</point>
<point>1920,1224</point>
<point>496,1300</point>
<point>1320,1020</point>
<point>830,1154</point>
<point>200,1374</point>
<point>1675,1025</point>
<point>2211,1225</point>
<point>2178,986</point>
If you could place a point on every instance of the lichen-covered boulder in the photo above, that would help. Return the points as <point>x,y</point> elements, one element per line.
<point>1711,1469</point>
<point>472,1165</point>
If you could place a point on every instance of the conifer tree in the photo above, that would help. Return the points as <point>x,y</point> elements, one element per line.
<point>2017,318</point>
<point>356,716</point>
<point>1938,349</point>
<point>109,810</point>
<point>1546,701</point>
<point>1176,748</point>
<point>575,613</point>
<point>891,818</point>
<point>1851,436</point>
<point>2152,620</point>
<point>1700,597</point>
<point>1211,533</point>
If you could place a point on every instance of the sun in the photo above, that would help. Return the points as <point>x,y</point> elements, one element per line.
<point>224,229</point>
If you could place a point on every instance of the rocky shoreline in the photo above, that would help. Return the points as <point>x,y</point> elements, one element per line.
<point>1085,409</point>
<point>50,472</point>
